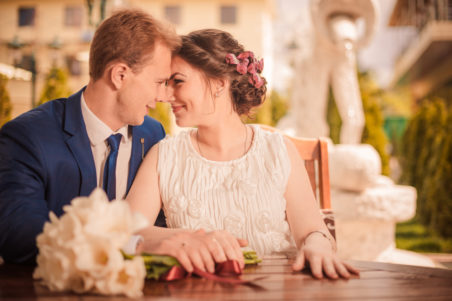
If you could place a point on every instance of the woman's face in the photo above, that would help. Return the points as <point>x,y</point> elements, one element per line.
<point>193,102</point>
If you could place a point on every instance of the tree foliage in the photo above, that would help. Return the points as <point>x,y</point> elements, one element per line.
<point>334,119</point>
<point>271,111</point>
<point>56,85</point>
<point>427,163</point>
<point>373,132</point>
<point>162,114</point>
<point>5,101</point>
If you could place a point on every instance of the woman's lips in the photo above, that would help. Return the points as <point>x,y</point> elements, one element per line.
<point>176,108</point>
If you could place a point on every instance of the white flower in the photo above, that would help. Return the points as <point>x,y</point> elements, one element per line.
<point>80,251</point>
<point>55,267</point>
<point>97,257</point>
<point>124,281</point>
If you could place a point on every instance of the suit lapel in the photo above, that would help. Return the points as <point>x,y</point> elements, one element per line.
<point>78,143</point>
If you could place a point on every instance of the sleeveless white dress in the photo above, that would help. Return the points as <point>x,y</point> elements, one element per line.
<point>244,196</point>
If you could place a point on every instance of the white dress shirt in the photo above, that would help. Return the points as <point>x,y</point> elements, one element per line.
<point>98,133</point>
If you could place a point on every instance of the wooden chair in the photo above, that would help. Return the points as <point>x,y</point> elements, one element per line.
<point>314,152</point>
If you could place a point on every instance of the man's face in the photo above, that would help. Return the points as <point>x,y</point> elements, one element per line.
<point>142,90</point>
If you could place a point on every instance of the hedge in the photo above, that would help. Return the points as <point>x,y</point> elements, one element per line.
<point>5,101</point>
<point>427,164</point>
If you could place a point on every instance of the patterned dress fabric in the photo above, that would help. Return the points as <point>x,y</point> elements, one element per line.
<point>244,196</point>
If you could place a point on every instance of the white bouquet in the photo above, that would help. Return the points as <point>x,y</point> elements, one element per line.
<point>81,250</point>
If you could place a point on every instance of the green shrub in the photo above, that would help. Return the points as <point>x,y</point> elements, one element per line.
<point>334,119</point>
<point>412,235</point>
<point>279,107</point>
<point>271,111</point>
<point>162,114</point>
<point>56,85</point>
<point>5,101</point>
<point>427,164</point>
<point>373,132</point>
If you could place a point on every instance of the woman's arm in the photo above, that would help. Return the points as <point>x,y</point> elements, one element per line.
<point>314,241</point>
<point>193,249</point>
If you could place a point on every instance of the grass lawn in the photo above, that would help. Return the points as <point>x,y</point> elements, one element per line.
<point>413,236</point>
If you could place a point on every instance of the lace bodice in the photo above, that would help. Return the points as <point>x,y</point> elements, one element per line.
<point>244,196</point>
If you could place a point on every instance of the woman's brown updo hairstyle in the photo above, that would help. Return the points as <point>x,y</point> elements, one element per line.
<point>206,50</point>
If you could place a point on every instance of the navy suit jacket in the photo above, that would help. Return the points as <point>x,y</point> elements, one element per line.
<point>46,161</point>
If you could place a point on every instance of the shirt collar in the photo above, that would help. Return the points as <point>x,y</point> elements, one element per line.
<point>97,130</point>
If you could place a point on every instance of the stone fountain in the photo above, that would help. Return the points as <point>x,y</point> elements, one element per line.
<point>366,204</point>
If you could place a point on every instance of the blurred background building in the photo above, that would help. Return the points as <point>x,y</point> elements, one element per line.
<point>36,35</point>
<point>426,63</point>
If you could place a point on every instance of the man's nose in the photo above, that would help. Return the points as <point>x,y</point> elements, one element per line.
<point>167,94</point>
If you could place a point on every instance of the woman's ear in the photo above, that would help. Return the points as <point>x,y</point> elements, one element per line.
<point>118,74</point>
<point>220,86</point>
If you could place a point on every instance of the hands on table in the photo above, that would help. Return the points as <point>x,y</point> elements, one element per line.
<point>318,252</point>
<point>201,249</point>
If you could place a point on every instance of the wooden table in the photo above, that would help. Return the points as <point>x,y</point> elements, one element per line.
<point>378,281</point>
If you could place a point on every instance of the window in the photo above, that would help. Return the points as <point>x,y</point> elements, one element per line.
<point>449,9</point>
<point>73,16</point>
<point>27,16</point>
<point>73,65</point>
<point>228,15</point>
<point>28,62</point>
<point>172,14</point>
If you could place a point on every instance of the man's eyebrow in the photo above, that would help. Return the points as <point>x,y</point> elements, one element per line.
<point>176,73</point>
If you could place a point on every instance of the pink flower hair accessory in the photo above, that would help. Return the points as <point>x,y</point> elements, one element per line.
<point>247,63</point>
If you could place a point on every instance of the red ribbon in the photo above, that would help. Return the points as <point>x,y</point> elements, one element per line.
<point>174,273</point>
<point>226,272</point>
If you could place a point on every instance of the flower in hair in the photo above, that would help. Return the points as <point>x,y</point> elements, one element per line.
<point>252,68</point>
<point>260,65</point>
<point>231,59</point>
<point>242,66</point>
<point>256,80</point>
<point>245,55</point>
<point>246,63</point>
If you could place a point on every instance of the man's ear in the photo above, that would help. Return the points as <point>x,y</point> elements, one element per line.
<point>118,74</point>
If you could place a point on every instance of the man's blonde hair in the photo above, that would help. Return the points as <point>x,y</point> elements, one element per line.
<point>129,36</point>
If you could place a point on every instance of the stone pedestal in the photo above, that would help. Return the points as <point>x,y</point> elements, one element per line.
<point>367,206</point>
<point>365,221</point>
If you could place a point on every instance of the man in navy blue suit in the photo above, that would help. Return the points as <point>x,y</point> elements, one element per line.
<point>58,151</point>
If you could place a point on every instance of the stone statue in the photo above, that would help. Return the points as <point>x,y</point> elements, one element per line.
<point>366,205</point>
<point>331,61</point>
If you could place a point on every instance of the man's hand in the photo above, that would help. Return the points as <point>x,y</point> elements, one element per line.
<point>198,249</point>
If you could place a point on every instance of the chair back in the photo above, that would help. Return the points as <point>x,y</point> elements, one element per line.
<point>314,152</point>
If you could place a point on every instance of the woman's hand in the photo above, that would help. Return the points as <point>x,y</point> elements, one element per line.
<point>318,251</point>
<point>201,249</point>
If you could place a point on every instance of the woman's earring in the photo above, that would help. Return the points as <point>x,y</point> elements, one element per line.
<point>217,94</point>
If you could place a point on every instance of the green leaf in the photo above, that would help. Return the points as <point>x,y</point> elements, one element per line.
<point>158,265</point>
<point>160,260</point>
<point>251,257</point>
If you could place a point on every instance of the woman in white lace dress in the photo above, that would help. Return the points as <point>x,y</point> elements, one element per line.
<point>225,175</point>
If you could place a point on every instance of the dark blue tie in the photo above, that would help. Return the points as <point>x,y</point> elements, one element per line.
<point>110,166</point>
